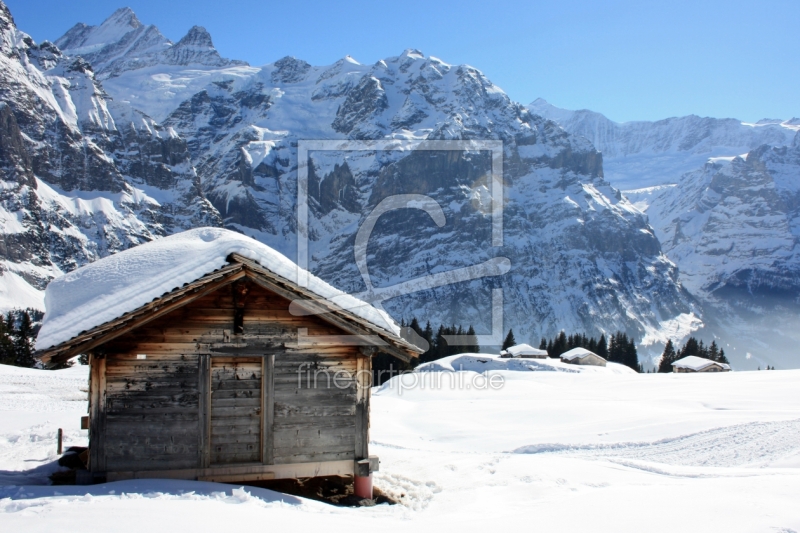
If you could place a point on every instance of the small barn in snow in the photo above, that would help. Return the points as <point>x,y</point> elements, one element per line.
<point>582,356</point>
<point>524,351</point>
<point>213,357</point>
<point>692,363</point>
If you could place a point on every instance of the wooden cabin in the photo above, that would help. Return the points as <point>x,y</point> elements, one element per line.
<point>582,356</point>
<point>692,363</point>
<point>218,381</point>
<point>523,351</point>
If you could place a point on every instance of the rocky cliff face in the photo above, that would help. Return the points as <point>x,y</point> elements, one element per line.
<point>82,176</point>
<point>733,226</point>
<point>734,223</point>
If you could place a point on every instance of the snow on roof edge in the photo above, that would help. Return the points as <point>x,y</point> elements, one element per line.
<point>118,284</point>
<point>524,349</point>
<point>693,362</point>
<point>577,353</point>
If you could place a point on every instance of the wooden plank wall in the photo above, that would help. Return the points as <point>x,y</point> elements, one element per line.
<point>158,409</point>
<point>314,415</point>
<point>236,399</point>
<point>151,411</point>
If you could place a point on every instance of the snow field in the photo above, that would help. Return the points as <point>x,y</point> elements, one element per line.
<point>548,450</point>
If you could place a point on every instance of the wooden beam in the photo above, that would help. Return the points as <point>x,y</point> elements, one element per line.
<point>268,403</point>
<point>234,478</point>
<point>204,415</point>
<point>363,378</point>
<point>97,412</point>
<point>314,306</point>
<point>244,473</point>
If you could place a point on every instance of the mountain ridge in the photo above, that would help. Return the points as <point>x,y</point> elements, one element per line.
<point>641,154</point>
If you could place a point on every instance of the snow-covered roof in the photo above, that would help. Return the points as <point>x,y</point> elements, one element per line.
<point>524,349</point>
<point>692,362</point>
<point>110,287</point>
<point>577,353</point>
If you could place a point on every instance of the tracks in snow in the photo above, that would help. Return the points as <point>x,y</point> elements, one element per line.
<point>752,444</point>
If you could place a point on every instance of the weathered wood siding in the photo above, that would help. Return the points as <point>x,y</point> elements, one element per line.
<point>167,411</point>
<point>315,406</point>
<point>236,410</point>
<point>151,411</point>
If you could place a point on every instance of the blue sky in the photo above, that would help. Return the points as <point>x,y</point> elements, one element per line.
<point>631,60</point>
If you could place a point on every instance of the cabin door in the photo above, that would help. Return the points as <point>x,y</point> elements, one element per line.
<point>236,409</point>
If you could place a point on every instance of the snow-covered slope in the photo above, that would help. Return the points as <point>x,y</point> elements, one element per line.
<point>548,451</point>
<point>484,363</point>
<point>82,176</point>
<point>33,405</point>
<point>643,154</point>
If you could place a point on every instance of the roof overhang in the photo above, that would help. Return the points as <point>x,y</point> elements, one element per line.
<point>362,332</point>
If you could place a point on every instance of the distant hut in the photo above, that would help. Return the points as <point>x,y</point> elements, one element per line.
<point>692,363</point>
<point>582,356</point>
<point>524,351</point>
<point>213,357</point>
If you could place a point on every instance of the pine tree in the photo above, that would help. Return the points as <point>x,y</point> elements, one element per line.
<point>690,348</point>
<point>722,358</point>
<point>667,358</point>
<point>510,341</point>
<point>8,356</point>
<point>602,347</point>
<point>560,345</point>
<point>543,344</point>
<point>713,351</point>
<point>23,341</point>
<point>441,348</point>
<point>631,357</point>
<point>472,340</point>
<point>616,347</point>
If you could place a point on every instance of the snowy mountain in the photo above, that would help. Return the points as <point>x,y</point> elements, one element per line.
<point>644,154</point>
<point>138,65</point>
<point>582,257</point>
<point>735,222</point>
<point>722,197</point>
<point>82,176</point>
<point>733,227</point>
